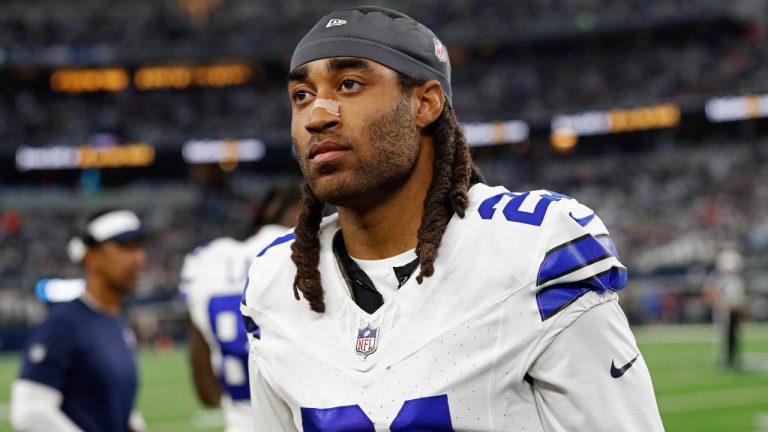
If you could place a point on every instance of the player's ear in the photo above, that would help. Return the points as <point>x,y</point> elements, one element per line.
<point>430,101</point>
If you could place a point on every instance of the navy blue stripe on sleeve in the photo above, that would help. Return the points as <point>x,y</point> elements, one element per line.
<point>607,242</point>
<point>553,299</point>
<point>574,255</point>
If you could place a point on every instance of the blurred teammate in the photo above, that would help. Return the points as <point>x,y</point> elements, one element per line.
<point>724,289</point>
<point>79,369</point>
<point>430,301</point>
<point>212,280</point>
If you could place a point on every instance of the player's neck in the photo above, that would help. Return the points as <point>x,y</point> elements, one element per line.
<point>100,296</point>
<point>390,226</point>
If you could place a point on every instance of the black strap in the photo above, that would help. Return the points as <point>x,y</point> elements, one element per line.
<point>403,273</point>
<point>364,292</point>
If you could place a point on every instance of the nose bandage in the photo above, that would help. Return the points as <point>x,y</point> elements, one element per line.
<point>330,105</point>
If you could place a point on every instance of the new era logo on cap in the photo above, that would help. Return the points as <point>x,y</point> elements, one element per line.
<point>335,22</point>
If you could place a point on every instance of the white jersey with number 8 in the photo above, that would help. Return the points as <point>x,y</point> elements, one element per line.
<point>212,281</point>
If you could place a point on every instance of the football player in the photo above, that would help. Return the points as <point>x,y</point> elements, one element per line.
<point>430,301</point>
<point>212,280</point>
<point>79,369</point>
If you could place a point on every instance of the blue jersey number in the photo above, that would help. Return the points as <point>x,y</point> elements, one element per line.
<point>424,414</point>
<point>228,329</point>
<point>512,210</point>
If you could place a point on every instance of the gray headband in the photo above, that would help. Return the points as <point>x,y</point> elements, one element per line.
<point>381,35</point>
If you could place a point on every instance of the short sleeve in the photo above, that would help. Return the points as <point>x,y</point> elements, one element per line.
<point>580,257</point>
<point>592,377</point>
<point>50,353</point>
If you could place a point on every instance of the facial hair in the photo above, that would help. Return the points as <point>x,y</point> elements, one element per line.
<point>387,166</point>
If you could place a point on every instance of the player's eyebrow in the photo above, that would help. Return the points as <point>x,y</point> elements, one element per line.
<point>299,74</point>
<point>337,64</point>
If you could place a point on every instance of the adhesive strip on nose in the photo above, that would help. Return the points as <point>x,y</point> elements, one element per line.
<point>329,105</point>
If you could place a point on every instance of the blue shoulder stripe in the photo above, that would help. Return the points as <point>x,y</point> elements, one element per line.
<point>606,241</point>
<point>278,241</point>
<point>574,255</point>
<point>552,300</point>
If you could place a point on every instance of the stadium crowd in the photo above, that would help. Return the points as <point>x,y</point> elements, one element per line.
<point>493,81</point>
<point>114,31</point>
<point>539,86</point>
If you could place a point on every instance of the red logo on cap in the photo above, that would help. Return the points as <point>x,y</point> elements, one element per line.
<point>440,51</point>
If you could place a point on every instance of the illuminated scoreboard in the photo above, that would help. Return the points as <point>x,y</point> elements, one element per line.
<point>149,78</point>
<point>618,120</point>
<point>84,157</point>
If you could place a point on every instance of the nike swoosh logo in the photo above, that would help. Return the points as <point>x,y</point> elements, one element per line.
<point>617,373</point>
<point>582,221</point>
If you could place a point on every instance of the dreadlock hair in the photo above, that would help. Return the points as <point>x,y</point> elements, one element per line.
<point>453,175</point>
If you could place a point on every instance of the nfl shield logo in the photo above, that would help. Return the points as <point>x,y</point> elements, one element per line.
<point>367,339</point>
<point>440,51</point>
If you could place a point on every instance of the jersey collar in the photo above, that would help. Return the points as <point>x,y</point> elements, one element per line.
<point>363,291</point>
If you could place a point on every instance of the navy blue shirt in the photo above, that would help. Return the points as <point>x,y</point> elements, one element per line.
<point>89,357</point>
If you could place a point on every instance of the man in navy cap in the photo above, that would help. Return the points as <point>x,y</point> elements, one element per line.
<point>430,301</point>
<point>79,368</point>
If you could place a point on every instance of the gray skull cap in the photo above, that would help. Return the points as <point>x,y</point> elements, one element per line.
<point>384,36</point>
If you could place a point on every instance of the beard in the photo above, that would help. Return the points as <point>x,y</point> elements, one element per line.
<point>386,166</point>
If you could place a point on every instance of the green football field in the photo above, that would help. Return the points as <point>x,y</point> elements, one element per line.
<point>694,395</point>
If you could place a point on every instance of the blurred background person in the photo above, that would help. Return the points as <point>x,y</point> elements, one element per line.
<point>212,281</point>
<point>79,369</point>
<point>725,290</point>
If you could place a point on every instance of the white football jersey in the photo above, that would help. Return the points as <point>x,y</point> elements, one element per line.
<point>212,280</point>
<point>491,342</point>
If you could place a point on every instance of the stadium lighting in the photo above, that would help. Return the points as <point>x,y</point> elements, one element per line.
<point>64,157</point>
<point>660,116</point>
<point>564,140</point>
<point>493,133</point>
<point>181,77</point>
<point>223,151</point>
<point>89,80</point>
<point>735,108</point>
